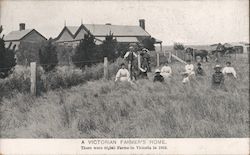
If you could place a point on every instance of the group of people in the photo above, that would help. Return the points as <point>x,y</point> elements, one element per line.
<point>165,73</point>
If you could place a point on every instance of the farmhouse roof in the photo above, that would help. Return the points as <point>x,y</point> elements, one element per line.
<point>19,35</point>
<point>116,30</point>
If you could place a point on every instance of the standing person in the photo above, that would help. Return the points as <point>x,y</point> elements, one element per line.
<point>218,78</point>
<point>158,77</point>
<point>199,70</point>
<point>166,71</point>
<point>122,74</point>
<point>189,68</point>
<point>131,56</point>
<point>229,71</point>
<point>145,55</point>
<point>144,69</point>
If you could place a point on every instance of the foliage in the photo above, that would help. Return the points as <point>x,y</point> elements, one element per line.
<point>7,58</point>
<point>109,48</point>
<point>28,52</point>
<point>87,53</point>
<point>178,46</point>
<point>48,56</point>
<point>64,54</point>
<point>148,43</point>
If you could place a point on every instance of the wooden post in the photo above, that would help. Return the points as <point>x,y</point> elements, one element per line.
<point>33,78</point>
<point>139,60</point>
<point>169,56</point>
<point>105,68</point>
<point>158,59</point>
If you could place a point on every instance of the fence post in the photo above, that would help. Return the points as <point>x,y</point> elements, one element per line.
<point>33,78</point>
<point>139,60</point>
<point>169,56</point>
<point>105,68</point>
<point>158,59</point>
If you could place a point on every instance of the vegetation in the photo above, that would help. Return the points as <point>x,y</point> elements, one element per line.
<point>178,46</point>
<point>87,53</point>
<point>109,48</point>
<point>7,58</point>
<point>148,43</point>
<point>48,56</point>
<point>101,108</point>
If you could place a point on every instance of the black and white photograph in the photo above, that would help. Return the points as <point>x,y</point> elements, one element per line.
<point>113,69</point>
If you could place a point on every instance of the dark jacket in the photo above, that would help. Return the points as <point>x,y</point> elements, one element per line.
<point>158,78</point>
<point>218,78</point>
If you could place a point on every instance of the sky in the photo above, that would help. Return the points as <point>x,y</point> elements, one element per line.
<point>184,21</point>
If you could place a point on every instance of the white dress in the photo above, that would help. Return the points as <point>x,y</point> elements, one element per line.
<point>122,75</point>
<point>166,71</point>
<point>190,69</point>
<point>229,70</point>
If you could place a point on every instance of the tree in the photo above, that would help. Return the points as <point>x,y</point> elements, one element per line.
<point>48,56</point>
<point>178,46</point>
<point>109,48</point>
<point>86,52</point>
<point>148,43</point>
<point>28,52</point>
<point>7,58</point>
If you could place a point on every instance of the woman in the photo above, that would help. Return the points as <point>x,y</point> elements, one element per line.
<point>166,71</point>
<point>144,69</point>
<point>122,74</point>
<point>229,71</point>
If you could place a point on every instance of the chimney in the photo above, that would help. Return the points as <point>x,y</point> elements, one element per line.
<point>22,26</point>
<point>142,23</point>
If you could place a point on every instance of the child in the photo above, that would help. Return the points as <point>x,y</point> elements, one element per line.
<point>122,74</point>
<point>186,78</point>
<point>189,68</point>
<point>166,71</point>
<point>217,78</point>
<point>199,70</point>
<point>158,77</point>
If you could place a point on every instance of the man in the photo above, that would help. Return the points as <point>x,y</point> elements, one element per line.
<point>166,71</point>
<point>189,68</point>
<point>131,56</point>
<point>158,77</point>
<point>122,74</point>
<point>218,78</point>
<point>229,71</point>
<point>199,70</point>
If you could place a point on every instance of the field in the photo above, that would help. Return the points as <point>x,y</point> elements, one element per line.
<point>100,108</point>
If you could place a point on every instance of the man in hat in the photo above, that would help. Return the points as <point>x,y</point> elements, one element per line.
<point>122,74</point>
<point>131,56</point>
<point>199,70</point>
<point>218,78</point>
<point>158,77</point>
<point>229,71</point>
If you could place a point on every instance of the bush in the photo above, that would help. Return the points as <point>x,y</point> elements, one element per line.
<point>7,58</point>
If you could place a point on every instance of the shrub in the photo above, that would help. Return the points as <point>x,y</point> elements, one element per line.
<point>48,56</point>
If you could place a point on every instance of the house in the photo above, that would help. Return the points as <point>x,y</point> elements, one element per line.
<point>23,35</point>
<point>71,35</point>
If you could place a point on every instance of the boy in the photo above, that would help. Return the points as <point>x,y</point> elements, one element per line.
<point>217,78</point>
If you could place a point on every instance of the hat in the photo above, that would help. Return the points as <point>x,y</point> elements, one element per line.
<point>157,71</point>
<point>217,66</point>
<point>122,64</point>
<point>144,49</point>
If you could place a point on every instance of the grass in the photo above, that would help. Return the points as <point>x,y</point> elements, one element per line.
<point>104,109</point>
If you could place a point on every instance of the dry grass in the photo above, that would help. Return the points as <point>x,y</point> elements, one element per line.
<point>146,109</point>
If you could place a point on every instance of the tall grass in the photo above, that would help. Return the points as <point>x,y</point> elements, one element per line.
<point>102,108</point>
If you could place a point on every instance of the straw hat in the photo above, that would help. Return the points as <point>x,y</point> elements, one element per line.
<point>157,71</point>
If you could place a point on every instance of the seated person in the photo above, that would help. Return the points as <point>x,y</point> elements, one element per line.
<point>199,70</point>
<point>166,71</point>
<point>218,78</point>
<point>122,74</point>
<point>189,68</point>
<point>229,70</point>
<point>158,77</point>
<point>185,77</point>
